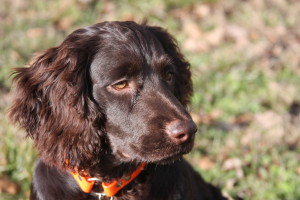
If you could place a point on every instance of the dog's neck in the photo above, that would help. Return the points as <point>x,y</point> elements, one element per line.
<point>110,188</point>
<point>108,169</point>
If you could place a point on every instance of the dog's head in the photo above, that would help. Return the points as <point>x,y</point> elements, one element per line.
<point>115,89</point>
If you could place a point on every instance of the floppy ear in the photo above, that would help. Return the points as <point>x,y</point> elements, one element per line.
<point>53,103</point>
<point>183,83</point>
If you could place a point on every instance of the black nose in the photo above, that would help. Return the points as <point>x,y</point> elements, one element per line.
<point>181,131</point>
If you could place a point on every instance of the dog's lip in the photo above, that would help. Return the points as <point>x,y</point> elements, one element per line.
<point>172,157</point>
<point>169,159</point>
<point>180,153</point>
<point>156,157</point>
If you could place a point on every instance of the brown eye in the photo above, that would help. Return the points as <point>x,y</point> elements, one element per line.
<point>120,85</point>
<point>169,76</point>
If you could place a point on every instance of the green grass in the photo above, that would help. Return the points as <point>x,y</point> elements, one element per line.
<point>250,70</point>
<point>16,158</point>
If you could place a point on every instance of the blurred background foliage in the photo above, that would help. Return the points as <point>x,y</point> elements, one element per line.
<point>245,57</point>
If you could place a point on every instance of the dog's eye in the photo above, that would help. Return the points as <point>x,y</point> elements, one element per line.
<point>120,85</point>
<point>169,76</point>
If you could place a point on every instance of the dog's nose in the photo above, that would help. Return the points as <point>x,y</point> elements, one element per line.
<point>181,131</point>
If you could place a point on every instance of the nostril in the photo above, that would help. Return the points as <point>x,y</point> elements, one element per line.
<point>180,131</point>
<point>181,136</point>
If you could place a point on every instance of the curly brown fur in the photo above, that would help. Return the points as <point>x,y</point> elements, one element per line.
<point>70,102</point>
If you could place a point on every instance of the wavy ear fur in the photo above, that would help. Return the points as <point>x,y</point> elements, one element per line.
<point>54,109</point>
<point>184,87</point>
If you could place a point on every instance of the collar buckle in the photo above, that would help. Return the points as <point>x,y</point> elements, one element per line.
<point>102,195</point>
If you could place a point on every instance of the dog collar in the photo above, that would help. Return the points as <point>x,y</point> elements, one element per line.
<point>110,188</point>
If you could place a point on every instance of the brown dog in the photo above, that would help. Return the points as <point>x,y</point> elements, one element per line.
<point>106,109</point>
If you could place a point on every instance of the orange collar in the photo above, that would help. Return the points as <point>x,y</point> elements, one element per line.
<point>110,188</point>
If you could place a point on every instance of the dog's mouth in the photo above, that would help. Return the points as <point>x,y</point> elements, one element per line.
<point>158,158</point>
<point>174,156</point>
<point>162,153</point>
<point>169,160</point>
<point>167,157</point>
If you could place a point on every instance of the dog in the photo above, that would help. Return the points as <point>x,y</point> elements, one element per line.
<point>106,110</point>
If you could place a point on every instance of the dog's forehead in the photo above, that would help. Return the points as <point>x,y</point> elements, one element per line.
<point>117,61</point>
<point>112,65</point>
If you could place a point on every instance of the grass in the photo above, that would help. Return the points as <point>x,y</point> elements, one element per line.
<point>245,63</point>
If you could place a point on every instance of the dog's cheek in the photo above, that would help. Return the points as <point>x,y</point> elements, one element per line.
<point>120,146</point>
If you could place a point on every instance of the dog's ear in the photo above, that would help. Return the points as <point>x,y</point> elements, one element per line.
<point>53,102</point>
<point>183,83</point>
